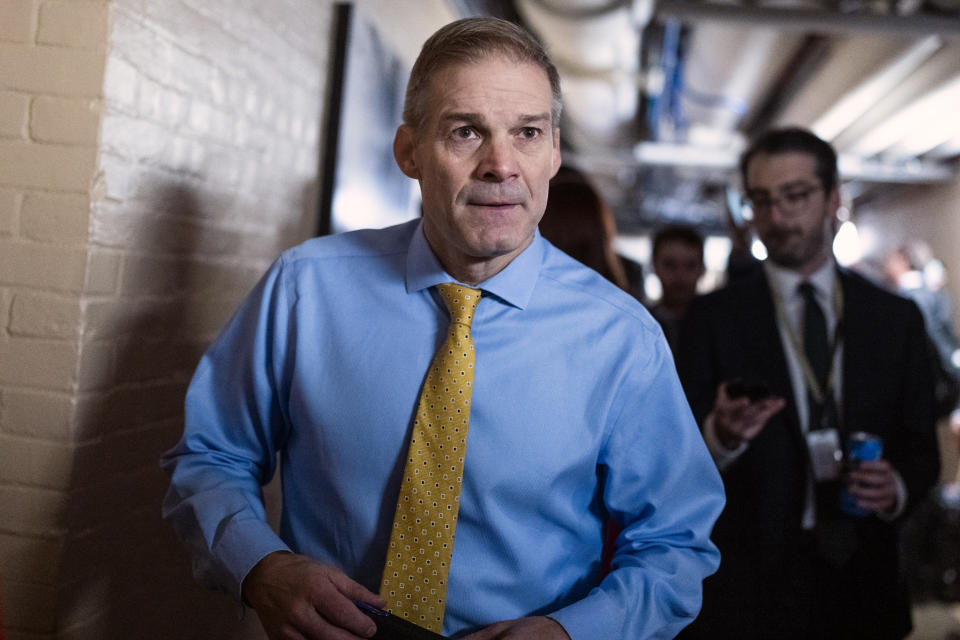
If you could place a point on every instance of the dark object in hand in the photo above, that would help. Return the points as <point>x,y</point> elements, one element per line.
<point>391,627</point>
<point>754,390</point>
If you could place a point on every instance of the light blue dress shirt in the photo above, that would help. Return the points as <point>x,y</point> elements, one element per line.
<point>577,413</point>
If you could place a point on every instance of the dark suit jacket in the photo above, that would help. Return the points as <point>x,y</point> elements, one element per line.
<point>766,586</point>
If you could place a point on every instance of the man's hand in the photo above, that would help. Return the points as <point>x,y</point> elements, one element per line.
<point>297,598</point>
<point>538,628</point>
<point>873,486</point>
<point>738,420</point>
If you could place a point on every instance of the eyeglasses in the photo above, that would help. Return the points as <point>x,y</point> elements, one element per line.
<point>790,202</point>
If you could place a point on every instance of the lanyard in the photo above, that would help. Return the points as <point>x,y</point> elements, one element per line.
<point>813,385</point>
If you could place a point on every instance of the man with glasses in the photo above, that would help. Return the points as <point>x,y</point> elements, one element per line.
<point>782,368</point>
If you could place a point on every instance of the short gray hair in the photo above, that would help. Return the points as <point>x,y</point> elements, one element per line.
<point>469,41</point>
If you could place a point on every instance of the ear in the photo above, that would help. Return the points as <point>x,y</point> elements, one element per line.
<point>557,159</point>
<point>834,201</point>
<point>403,147</point>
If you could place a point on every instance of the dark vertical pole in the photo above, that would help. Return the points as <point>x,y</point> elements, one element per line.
<point>343,12</point>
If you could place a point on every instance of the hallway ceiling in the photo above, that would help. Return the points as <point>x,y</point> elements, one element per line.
<point>661,96</point>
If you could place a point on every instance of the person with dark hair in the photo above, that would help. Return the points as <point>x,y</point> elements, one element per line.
<point>465,492</point>
<point>791,140</point>
<point>678,263</point>
<point>578,222</point>
<point>793,372</point>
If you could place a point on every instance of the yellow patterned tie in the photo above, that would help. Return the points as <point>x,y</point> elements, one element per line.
<point>421,542</point>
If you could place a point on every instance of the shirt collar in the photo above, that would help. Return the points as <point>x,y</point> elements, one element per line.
<point>785,281</point>
<point>514,284</point>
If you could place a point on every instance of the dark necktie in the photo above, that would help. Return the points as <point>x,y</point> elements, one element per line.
<point>816,347</point>
<point>835,535</point>
<point>815,342</point>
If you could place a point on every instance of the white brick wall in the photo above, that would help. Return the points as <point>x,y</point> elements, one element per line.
<point>155,156</point>
<point>41,265</point>
<point>64,120</point>
<point>18,20</point>
<point>14,114</point>
<point>9,211</point>
<point>46,167</point>
<point>78,24</point>
<point>49,70</point>
<point>60,218</point>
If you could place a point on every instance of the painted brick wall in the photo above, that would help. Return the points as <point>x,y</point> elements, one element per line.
<point>155,156</point>
<point>208,162</point>
<point>51,81</point>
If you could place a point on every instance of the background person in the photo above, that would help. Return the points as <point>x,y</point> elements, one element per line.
<point>574,412</point>
<point>837,355</point>
<point>578,222</point>
<point>678,264</point>
<point>905,269</point>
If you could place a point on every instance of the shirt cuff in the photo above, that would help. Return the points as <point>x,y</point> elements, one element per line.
<point>722,456</point>
<point>593,617</point>
<point>901,504</point>
<point>242,545</point>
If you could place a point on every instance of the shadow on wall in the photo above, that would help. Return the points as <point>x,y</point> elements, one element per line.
<point>123,574</point>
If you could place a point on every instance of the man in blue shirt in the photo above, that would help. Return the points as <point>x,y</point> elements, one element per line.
<point>577,415</point>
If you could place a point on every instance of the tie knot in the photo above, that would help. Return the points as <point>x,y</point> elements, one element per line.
<point>807,290</point>
<point>461,301</point>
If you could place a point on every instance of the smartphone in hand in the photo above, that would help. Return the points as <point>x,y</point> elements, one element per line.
<point>391,627</point>
<point>754,390</point>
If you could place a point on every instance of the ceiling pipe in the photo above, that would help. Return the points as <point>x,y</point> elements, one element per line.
<point>595,46</point>
<point>922,125</point>
<point>739,67</point>
<point>856,102</point>
<point>811,55</point>
<point>937,70</point>
<point>580,11</point>
<point>910,172</point>
<point>711,159</point>
<point>807,20</point>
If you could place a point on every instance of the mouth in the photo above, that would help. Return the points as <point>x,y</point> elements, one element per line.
<point>494,205</point>
<point>782,235</point>
<point>494,198</point>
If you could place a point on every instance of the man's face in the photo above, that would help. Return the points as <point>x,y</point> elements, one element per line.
<point>792,214</point>
<point>484,156</point>
<point>679,266</point>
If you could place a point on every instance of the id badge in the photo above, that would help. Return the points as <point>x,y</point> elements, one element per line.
<point>826,455</point>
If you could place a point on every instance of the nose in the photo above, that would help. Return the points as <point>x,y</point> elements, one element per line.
<point>498,160</point>
<point>777,213</point>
